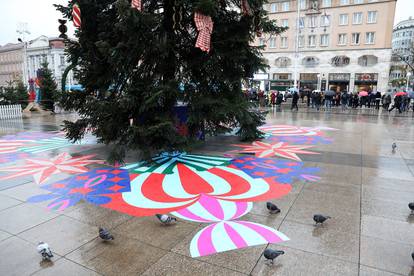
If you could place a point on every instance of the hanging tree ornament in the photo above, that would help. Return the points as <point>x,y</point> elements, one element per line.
<point>136,4</point>
<point>76,14</point>
<point>204,26</point>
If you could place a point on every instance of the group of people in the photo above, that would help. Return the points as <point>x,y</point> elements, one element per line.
<point>330,99</point>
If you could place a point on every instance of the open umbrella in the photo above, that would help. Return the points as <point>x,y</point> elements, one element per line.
<point>329,93</point>
<point>401,93</point>
<point>363,93</point>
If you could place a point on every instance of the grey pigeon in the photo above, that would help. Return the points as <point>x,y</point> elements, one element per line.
<point>166,219</point>
<point>320,219</point>
<point>394,146</point>
<point>271,254</point>
<point>44,250</point>
<point>272,208</point>
<point>105,235</point>
<point>411,206</point>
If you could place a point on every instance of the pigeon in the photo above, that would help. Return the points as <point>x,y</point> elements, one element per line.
<point>166,219</point>
<point>320,219</point>
<point>105,235</point>
<point>411,206</point>
<point>44,250</point>
<point>271,254</point>
<point>273,209</point>
<point>394,146</point>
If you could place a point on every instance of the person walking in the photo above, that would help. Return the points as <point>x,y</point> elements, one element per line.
<point>397,104</point>
<point>377,100</point>
<point>273,98</point>
<point>344,100</point>
<point>279,101</point>
<point>295,99</point>
<point>318,100</point>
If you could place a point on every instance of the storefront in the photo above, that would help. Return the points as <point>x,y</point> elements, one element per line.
<point>339,81</point>
<point>366,82</point>
<point>308,81</point>
<point>281,82</point>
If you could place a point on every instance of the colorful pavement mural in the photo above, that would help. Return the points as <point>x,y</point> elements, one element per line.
<point>213,190</point>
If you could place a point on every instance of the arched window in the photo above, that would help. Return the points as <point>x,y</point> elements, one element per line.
<point>367,60</point>
<point>310,61</point>
<point>283,62</point>
<point>340,61</point>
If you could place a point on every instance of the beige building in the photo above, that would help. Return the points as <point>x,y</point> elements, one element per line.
<point>11,63</point>
<point>337,44</point>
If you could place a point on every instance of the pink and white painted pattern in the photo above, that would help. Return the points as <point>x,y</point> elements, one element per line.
<point>210,209</point>
<point>230,235</point>
<point>287,130</point>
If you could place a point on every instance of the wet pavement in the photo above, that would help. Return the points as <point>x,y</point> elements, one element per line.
<point>363,186</point>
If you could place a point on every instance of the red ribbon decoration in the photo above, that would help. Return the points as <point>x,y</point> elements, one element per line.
<point>204,26</point>
<point>76,15</point>
<point>245,7</point>
<point>136,4</point>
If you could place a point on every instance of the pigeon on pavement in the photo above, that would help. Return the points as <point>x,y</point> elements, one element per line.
<point>394,146</point>
<point>320,219</point>
<point>105,235</point>
<point>44,250</point>
<point>166,219</point>
<point>271,254</point>
<point>272,208</point>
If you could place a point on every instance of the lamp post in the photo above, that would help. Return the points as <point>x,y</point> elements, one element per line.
<point>408,81</point>
<point>22,31</point>
<point>295,80</point>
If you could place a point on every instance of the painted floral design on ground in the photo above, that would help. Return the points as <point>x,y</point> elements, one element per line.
<point>43,169</point>
<point>301,140</point>
<point>92,187</point>
<point>281,149</point>
<point>282,171</point>
<point>165,163</point>
<point>288,130</point>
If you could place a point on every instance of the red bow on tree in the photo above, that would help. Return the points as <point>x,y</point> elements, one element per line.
<point>204,26</point>
<point>245,7</point>
<point>136,4</point>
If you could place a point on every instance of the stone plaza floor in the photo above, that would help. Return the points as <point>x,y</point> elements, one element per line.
<point>363,186</point>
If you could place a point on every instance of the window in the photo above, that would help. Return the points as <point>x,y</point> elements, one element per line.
<point>356,38</point>
<point>283,42</point>
<point>325,20</point>
<point>273,7</point>
<point>62,60</point>
<point>357,18</point>
<point>372,17</point>
<point>301,22</point>
<point>358,1</point>
<point>342,39</point>
<point>370,38</point>
<point>327,3</point>
<point>367,60</point>
<point>261,42</point>
<point>344,2</point>
<point>324,40</point>
<point>312,41</point>
<point>313,21</point>
<point>302,4</point>
<point>272,42</point>
<point>285,6</point>
<point>343,19</point>
<point>301,41</point>
<point>285,22</point>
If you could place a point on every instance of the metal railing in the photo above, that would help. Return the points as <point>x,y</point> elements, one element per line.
<point>12,111</point>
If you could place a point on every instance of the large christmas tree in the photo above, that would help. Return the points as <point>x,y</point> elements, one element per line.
<point>136,64</point>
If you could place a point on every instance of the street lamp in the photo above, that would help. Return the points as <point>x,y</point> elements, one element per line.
<point>408,81</point>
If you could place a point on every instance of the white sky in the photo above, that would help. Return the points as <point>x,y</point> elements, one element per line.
<point>42,17</point>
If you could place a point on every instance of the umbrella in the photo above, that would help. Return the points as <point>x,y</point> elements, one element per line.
<point>329,93</point>
<point>292,90</point>
<point>401,93</point>
<point>411,94</point>
<point>363,93</point>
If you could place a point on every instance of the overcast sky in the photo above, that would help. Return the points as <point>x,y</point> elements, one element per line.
<point>42,17</point>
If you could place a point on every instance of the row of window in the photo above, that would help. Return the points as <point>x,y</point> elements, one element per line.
<point>323,40</point>
<point>13,57</point>
<point>337,61</point>
<point>303,4</point>
<point>10,68</point>
<point>403,34</point>
<point>325,20</point>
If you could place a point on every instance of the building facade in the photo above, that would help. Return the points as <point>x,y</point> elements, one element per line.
<point>37,51</point>
<point>11,63</point>
<point>402,41</point>
<point>330,44</point>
